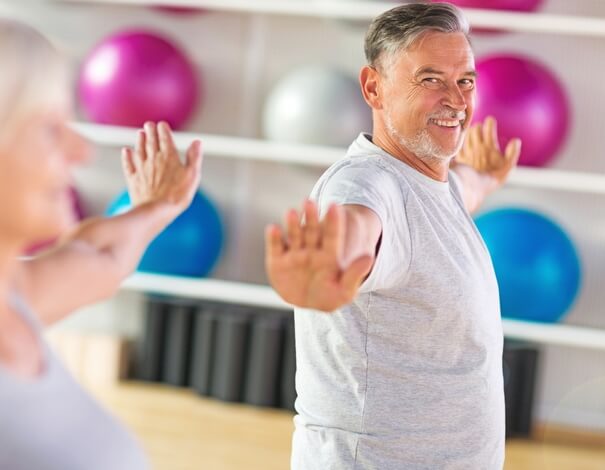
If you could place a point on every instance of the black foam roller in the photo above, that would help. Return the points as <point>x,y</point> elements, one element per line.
<point>230,356</point>
<point>519,364</point>
<point>202,357</point>
<point>288,386</point>
<point>511,385</point>
<point>150,356</point>
<point>529,359</point>
<point>264,362</point>
<point>177,344</point>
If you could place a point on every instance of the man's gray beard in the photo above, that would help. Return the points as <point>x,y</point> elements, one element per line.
<point>422,145</point>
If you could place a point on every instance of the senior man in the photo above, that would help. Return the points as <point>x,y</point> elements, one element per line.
<point>406,371</point>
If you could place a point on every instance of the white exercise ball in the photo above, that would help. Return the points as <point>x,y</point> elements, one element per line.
<point>316,105</point>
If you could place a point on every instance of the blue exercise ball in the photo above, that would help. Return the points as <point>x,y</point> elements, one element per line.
<point>189,246</point>
<point>537,266</point>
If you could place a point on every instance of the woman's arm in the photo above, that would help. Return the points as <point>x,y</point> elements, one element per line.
<point>90,264</point>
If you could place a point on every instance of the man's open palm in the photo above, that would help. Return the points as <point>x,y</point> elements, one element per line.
<point>304,263</point>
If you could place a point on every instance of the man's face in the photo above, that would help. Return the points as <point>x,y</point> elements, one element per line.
<point>429,95</point>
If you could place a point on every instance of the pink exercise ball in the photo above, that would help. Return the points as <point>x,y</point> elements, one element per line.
<point>138,76</point>
<point>179,10</point>
<point>513,5</point>
<point>528,102</point>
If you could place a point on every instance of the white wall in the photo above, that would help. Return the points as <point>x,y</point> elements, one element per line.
<point>243,55</point>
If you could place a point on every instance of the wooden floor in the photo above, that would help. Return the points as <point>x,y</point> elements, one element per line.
<point>182,431</point>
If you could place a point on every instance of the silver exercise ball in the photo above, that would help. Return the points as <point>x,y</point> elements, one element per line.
<point>316,105</point>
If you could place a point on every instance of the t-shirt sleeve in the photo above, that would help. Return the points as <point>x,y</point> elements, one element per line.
<point>378,190</point>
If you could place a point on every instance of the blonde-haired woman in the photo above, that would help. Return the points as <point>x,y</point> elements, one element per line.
<point>46,420</point>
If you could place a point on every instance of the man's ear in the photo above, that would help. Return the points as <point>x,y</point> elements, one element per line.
<point>370,81</point>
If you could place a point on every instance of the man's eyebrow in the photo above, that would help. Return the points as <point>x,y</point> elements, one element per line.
<point>434,71</point>
<point>430,70</point>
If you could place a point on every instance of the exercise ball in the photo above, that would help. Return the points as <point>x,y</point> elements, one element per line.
<point>528,102</point>
<point>178,10</point>
<point>536,264</point>
<point>189,246</point>
<point>510,5</point>
<point>77,214</point>
<point>137,76</point>
<point>316,105</point>
<point>513,5</point>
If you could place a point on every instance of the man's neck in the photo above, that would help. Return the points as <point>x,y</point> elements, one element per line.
<point>436,168</point>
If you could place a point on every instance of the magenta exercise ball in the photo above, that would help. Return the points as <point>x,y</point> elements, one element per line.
<point>528,102</point>
<point>179,10</point>
<point>513,5</point>
<point>138,76</point>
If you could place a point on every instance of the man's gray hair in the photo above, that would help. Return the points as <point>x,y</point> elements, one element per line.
<point>398,28</point>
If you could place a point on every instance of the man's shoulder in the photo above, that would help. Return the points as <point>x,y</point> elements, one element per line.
<point>364,180</point>
<point>369,166</point>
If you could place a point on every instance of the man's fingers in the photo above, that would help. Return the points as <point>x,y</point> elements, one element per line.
<point>165,140</point>
<point>480,156</point>
<point>513,151</point>
<point>476,136</point>
<point>127,161</point>
<point>293,230</point>
<point>152,146</point>
<point>354,275</point>
<point>472,144</point>
<point>274,243</point>
<point>490,133</point>
<point>139,148</point>
<point>462,155</point>
<point>194,158</point>
<point>470,147</point>
<point>194,154</point>
<point>311,237</point>
<point>466,153</point>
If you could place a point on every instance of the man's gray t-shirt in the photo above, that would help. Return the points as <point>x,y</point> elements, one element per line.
<point>409,375</point>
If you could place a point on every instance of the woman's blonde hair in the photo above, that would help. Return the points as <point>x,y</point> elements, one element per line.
<point>33,72</point>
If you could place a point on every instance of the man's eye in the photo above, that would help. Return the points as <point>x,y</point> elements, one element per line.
<point>431,82</point>
<point>467,84</point>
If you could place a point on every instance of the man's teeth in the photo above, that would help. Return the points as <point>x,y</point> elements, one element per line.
<point>444,123</point>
